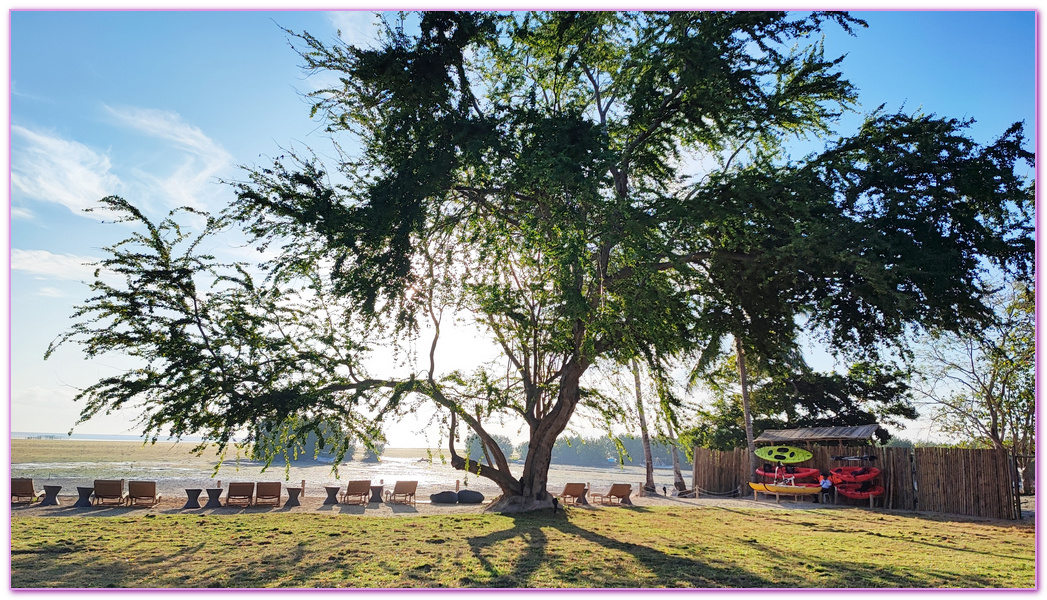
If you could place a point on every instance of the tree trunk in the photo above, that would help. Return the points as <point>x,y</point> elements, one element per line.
<point>1028,470</point>
<point>532,493</point>
<point>678,482</point>
<point>743,378</point>
<point>644,436</point>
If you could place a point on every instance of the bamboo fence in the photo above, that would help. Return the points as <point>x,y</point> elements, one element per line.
<point>964,481</point>
<point>949,480</point>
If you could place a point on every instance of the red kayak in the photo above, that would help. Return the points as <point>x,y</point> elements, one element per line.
<point>798,472</point>
<point>852,474</point>
<point>851,491</point>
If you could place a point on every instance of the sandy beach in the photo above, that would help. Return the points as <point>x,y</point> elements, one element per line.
<point>73,463</point>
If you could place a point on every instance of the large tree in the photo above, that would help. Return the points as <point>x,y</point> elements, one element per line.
<point>886,230</point>
<point>982,388</point>
<point>533,170</point>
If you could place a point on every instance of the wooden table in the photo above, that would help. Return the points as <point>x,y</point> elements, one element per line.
<point>194,497</point>
<point>332,494</point>
<point>292,497</point>
<point>376,493</point>
<point>51,495</point>
<point>84,501</point>
<point>214,498</point>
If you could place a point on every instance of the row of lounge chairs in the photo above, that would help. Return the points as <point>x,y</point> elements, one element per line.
<point>143,493</point>
<point>248,493</point>
<point>359,492</point>
<point>139,493</point>
<point>574,493</point>
<point>106,492</point>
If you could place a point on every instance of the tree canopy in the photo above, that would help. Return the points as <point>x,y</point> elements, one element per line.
<point>794,396</point>
<point>535,171</point>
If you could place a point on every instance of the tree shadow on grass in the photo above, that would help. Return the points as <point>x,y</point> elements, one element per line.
<point>854,524</point>
<point>525,555</point>
<point>80,564</point>
<point>664,570</point>
<point>92,563</point>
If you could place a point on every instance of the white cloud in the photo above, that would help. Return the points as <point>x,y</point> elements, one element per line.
<point>56,266</point>
<point>205,158</point>
<point>51,169</point>
<point>168,125</point>
<point>20,212</point>
<point>357,27</point>
<point>50,292</point>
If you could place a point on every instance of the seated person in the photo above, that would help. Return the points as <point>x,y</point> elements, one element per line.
<point>827,486</point>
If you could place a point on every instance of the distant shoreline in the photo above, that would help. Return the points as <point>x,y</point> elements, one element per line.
<point>103,437</point>
<point>89,437</point>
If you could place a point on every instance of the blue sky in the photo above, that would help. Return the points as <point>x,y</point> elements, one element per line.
<point>154,106</point>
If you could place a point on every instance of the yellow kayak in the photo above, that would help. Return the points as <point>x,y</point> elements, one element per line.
<point>778,488</point>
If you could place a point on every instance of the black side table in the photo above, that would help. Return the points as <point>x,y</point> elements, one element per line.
<point>51,495</point>
<point>292,497</point>
<point>213,498</point>
<point>194,498</point>
<point>332,494</point>
<point>84,501</point>
<point>582,499</point>
<point>376,493</point>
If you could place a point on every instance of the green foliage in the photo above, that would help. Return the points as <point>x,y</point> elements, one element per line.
<point>852,243</point>
<point>474,446</point>
<point>217,353</point>
<point>575,450</point>
<point>720,427</point>
<point>281,440</point>
<point>793,398</point>
<point>606,451</point>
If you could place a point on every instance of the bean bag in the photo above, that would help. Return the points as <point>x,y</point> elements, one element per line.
<point>443,498</point>
<point>470,497</point>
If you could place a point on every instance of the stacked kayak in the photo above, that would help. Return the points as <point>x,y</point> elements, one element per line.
<point>859,491</point>
<point>783,454</point>
<point>794,472</point>
<point>781,488</point>
<point>840,475</point>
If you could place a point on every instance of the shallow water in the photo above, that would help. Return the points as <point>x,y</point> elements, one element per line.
<point>173,477</point>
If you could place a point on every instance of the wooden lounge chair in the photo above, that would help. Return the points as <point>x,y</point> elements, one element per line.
<point>110,491</point>
<point>618,493</point>
<point>360,489</point>
<point>268,492</point>
<point>402,492</point>
<point>240,493</point>
<point>22,491</point>
<point>142,493</point>
<point>572,493</point>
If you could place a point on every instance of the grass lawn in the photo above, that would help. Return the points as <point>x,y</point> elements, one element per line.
<point>608,547</point>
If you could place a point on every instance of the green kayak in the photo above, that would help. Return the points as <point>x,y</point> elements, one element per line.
<point>783,454</point>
